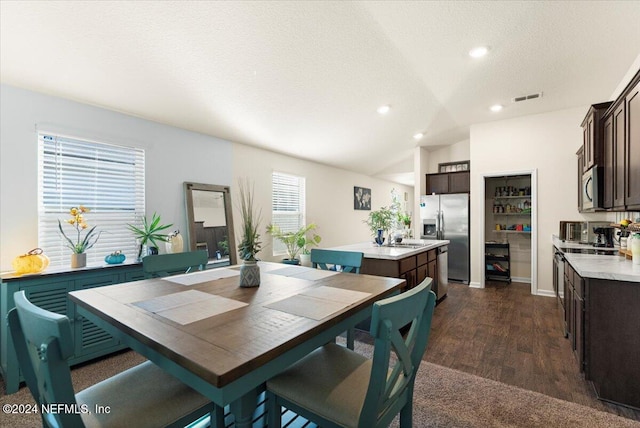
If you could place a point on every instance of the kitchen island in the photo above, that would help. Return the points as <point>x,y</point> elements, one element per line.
<point>412,260</point>
<point>600,294</point>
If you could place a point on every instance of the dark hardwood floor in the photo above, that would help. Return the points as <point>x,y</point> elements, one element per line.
<point>506,334</point>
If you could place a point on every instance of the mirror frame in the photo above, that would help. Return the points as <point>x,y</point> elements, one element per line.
<point>226,191</point>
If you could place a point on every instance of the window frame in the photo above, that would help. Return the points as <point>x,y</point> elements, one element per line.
<point>278,182</point>
<point>107,178</point>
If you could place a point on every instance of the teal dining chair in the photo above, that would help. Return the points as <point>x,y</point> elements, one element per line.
<point>171,264</point>
<point>349,261</point>
<point>142,396</point>
<point>337,387</point>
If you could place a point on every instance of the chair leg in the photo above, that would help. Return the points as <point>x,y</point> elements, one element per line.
<point>406,415</point>
<point>351,333</point>
<point>274,411</point>
<point>217,417</point>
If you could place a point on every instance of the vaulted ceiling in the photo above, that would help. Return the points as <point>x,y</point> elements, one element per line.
<point>305,78</point>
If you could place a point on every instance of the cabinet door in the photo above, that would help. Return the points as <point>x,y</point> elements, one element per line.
<point>578,314</point>
<point>410,277</point>
<point>89,338</point>
<point>632,168</point>
<point>51,296</point>
<point>587,137</point>
<point>432,272</point>
<point>460,182</point>
<point>580,165</point>
<point>608,163</point>
<point>619,137</point>
<point>421,274</point>
<point>437,183</point>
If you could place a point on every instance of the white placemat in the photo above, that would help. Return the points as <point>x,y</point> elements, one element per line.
<point>189,306</point>
<point>319,302</point>
<point>199,277</point>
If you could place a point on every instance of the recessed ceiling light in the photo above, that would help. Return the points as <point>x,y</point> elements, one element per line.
<point>418,136</point>
<point>478,52</point>
<point>496,107</point>
<point>384,109</point>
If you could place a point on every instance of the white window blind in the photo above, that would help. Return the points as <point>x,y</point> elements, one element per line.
<point>107,179</point>
<point>288,207</point>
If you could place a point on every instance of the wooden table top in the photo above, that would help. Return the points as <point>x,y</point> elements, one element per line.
<point>222,348</point>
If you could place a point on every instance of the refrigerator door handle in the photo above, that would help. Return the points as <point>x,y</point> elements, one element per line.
<point>442,225</point>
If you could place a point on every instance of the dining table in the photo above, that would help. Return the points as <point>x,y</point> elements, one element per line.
<point>226,341</point>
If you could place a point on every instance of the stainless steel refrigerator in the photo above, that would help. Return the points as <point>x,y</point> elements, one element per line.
<point>447,217</point>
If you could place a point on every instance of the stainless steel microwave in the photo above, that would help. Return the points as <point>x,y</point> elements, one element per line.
<point>590,189</point>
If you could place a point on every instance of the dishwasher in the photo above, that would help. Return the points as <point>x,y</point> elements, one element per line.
<point>443,272</point>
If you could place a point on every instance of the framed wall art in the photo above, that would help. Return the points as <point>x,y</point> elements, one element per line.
<point>361,198</point>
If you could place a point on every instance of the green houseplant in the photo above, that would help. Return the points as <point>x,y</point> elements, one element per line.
<point>294,241</point>
<point>150,232</point>
<point>250,243</point>
<point>379,222</point>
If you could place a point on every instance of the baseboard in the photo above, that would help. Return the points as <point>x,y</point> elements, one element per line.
<point>474,284</point>
<point>546,293</point>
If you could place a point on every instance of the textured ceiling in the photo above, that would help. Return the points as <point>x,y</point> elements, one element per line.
<point>305,78</point>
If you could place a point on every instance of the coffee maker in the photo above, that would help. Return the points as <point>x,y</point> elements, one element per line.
<point>604,236</point>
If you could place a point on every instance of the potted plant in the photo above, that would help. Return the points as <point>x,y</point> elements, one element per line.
<point>293,241</point>
<point>149,233</point>
<point>379,222</point>
<point>305,242</point>
<point>250,243</point>
<point>80,245</point>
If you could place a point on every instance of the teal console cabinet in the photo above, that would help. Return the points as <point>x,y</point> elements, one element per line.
<point>49,290</point>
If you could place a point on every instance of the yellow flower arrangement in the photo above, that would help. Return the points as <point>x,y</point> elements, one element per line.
<point>78,222</point>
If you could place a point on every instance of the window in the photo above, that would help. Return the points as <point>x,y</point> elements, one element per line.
<point>107,179</point>
<point>287,205</point>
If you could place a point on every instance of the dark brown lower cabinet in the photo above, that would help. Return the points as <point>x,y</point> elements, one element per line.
<point>413,268</point>
<point>603,325</point>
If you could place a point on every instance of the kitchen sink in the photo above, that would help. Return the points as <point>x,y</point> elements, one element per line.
<point>405,245</point>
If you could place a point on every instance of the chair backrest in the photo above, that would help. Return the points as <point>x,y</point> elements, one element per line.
<point>349,261</point>
<point>391,383</point>
<point>43,341</point>
<point>171,264</point>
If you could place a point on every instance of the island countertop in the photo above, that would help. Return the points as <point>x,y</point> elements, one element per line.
<point>408,247</point>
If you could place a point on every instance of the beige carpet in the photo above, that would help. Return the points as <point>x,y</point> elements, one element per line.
<point>443,398</point>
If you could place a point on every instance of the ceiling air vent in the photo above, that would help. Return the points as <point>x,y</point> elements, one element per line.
<point>526,97</point>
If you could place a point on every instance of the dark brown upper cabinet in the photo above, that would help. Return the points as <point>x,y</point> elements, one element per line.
<point>632,148</point>
<point>448,182</point>
<point>621,150</point>
<point>592,136</point>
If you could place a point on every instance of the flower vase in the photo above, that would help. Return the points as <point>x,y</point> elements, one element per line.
<point>380,237</point>
<point>249,274</point>
<point>78,260</point>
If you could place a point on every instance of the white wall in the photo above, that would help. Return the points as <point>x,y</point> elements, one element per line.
<point>546,143</point>
<point>329,190</point>
<point>172,156</point>
<point>453,153</point>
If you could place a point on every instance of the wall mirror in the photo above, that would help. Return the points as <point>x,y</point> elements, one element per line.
<point>210,222</point>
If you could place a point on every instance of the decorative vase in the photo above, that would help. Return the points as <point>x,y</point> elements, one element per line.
<point>115,258</point>
<point>380,238</point>
<point>305,260</point>
<point>249,274</point>
<point>635,249</point>
<point>174,243</point>
<point>78,260</point>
